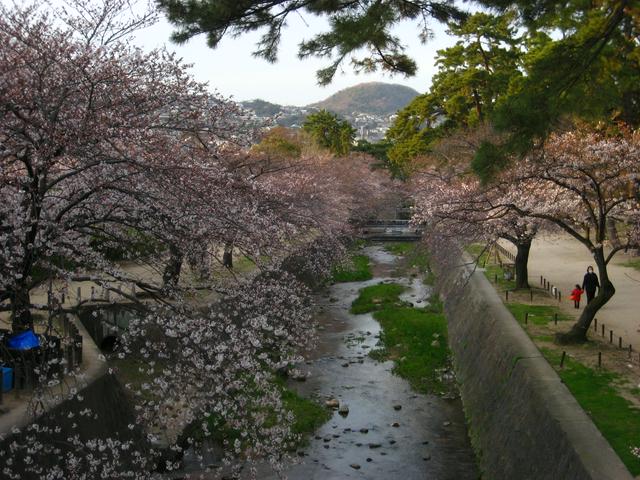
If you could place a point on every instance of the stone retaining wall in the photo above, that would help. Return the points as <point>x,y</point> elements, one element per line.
<point>524,422</point>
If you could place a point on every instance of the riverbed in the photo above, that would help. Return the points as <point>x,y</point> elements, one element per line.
<point>390,431</point>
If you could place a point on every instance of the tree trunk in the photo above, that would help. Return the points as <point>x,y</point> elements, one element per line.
<point>227,256</point>
<point>21,314</point>
<point>578,332</point>
<point>522,264</point>
<point>171,274</point>
<point>612,232</point>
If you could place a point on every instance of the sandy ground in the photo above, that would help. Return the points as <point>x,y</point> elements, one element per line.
<point>563,261</point>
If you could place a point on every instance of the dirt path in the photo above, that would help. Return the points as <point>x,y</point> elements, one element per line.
<point>563,261</point>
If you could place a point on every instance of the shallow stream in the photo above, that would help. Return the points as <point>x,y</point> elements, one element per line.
<point>390,431</point>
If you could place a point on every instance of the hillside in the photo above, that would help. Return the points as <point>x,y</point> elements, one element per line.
<point>374,98</point>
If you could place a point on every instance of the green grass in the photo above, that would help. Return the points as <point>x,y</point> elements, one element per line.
<point>417,341</point>
<point>356,270</point>
<point>309,415</point>
<point>477,251</point>
<point>632,264</point>
<point>377,297</point>
<point>491,271</point>
<point>616,418</point>
<point>538,314</point>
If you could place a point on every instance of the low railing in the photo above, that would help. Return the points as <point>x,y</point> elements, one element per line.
<point>59,352</point>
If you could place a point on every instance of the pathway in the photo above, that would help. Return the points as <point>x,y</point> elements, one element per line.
<point>563,261</point>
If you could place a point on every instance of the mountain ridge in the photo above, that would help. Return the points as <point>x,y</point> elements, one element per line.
<point>375,98</point>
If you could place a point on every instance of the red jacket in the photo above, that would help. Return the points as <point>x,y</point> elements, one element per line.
<point>575,294</point>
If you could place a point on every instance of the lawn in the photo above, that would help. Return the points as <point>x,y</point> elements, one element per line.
<point>616,418</point>
<point>538,314</point>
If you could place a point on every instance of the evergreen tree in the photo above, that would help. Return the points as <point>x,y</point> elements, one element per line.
<point>472,75</point>
<point>354,26</point>
<point>329,132</point>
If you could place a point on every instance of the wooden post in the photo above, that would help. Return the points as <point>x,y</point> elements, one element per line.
<point>620,343</point>
<point>531,294</point>
<point>603,329</point>
<point>544,284</point>
<point>495,279</point>
<point>610,336</point>
<point>595,324</point>
<point>599,359</point>
<point>630,350</point>
<point>526,318</point>
<point>541,279</point>
<point>555,318</point>
<point>564,354</point>
<point>93,293</point>
<point>506,294</point>
<point>559,296</point>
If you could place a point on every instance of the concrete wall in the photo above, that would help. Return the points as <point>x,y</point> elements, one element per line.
<point>111,415</point>
<point>524,423</point>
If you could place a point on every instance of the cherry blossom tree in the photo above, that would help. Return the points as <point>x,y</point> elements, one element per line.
<point>453,201</point>
<point>576,182</point>
<point>463,209</point>
<point>103,148</point>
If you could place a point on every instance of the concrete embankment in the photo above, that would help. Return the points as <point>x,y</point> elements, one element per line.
<point>524,422</point>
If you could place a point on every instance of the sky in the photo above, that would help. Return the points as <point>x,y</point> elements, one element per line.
<point>233,72</point>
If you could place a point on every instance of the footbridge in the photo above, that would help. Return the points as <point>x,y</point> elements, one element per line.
<point>390,230</point>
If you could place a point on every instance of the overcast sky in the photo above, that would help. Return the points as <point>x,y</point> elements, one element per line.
<point>234,72</point>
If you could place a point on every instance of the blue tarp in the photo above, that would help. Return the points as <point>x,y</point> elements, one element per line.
<point>23,341</point>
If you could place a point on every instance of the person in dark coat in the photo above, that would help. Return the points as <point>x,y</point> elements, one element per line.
<point>590,284</point>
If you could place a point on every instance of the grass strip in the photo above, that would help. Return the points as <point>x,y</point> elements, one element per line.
<point>417,341</point>
<point>635,264</point>
<point>616,418</point>
<point>309,415</point>
<point>414,338</point>
<point>377,297</point>
<point>538,314</point>
<point>357,269</point>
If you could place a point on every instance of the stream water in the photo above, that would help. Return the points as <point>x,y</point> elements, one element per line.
<point>390,431</point>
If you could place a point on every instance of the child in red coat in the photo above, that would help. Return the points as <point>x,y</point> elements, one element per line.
<point>576,293</point>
